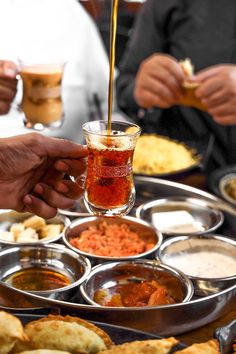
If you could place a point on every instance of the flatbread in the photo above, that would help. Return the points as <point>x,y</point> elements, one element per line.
<point>11,329</point>
<point>151,346</point>
<point>68,333</point>
<point>210,347</point>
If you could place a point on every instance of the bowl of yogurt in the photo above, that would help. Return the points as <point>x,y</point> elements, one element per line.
<point>209,261</point>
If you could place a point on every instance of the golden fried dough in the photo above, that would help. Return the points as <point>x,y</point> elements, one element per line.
<point>189,88</point>
<point>11,329</point>
<point>151,346</point>
<point>44,351</point>
<point>67,333</point>
<point>210,347</point>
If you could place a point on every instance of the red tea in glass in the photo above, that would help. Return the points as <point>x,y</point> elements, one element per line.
<point>109,184</point>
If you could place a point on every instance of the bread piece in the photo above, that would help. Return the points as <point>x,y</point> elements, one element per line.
<point>67,333</point>
<point>28,235</point>
<point>151,346</point>
<point>11,329</point>
<point>17,228</point>
<point>210,347</point>
<point>189,88</point>
<point>7,236</point>
<point>50,231</point>
<point>35,222</point>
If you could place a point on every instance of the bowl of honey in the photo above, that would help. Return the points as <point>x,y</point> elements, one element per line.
<point>48,270</point>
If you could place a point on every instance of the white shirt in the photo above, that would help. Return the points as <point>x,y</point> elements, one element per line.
<point>57,30</point>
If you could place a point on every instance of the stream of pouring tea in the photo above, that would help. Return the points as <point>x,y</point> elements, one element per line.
<point>112,55</point>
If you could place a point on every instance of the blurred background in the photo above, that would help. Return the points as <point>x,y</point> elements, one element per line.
<point>100,10</point>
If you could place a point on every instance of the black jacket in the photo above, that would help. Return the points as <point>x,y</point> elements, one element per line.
<point>205,32</point>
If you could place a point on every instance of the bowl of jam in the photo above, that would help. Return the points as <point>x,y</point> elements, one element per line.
<point>136,283</point>
<point>48,270</point>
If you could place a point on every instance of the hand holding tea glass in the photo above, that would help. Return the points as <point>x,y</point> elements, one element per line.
<point>109,187</point>
<point>42,102</point>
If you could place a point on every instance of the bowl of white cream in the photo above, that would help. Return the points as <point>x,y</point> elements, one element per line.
<point>209,261</point>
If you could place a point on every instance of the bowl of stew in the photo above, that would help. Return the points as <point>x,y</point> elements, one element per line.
<point>135,284</point>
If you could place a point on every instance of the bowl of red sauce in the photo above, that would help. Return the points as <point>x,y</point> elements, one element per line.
<point>110,239</point>
<point>135,284</point>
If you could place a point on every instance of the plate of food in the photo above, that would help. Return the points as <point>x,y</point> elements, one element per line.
<point>20,228</point>
<point>160,156</point>
<point>222,182</point>
<point>54,334</point>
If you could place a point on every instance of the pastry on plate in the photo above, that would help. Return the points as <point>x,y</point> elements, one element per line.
<point>65,333</point>
<point>11,330</point>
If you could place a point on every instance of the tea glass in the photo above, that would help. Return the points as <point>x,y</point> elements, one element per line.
<point>109,188</point>
<point>42,100</point>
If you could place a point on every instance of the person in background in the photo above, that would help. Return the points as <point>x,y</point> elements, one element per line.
<point>34,170</point>
<point>149,86</point>
<point>53,30</point>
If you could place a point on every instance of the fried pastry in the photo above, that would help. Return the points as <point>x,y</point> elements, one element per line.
<point>44,351</point>
<point>151,346</point>
<point>210,347</point>
<point>189,98</point>
<point>11,329</point>
<point>67,333</point>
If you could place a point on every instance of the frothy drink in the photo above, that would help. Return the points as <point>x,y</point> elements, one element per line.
<point>42,102</point>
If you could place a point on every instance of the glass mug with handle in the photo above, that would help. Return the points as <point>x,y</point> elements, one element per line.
<point>109,186</point>
<point>41,103</point>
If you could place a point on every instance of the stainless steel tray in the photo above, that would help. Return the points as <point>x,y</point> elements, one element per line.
<point>166,320</point>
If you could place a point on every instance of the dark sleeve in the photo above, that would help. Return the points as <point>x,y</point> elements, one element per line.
<point>147,38</point>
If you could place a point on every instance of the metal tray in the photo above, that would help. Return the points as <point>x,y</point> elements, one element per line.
<point>166,320</point>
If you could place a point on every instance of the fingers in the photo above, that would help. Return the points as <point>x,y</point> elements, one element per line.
<point>52,197</point>
<point>71,167</point>
<point>208,88</point>
<point>71,189</point>
<point>61,148</point>
<point>4,107</point>
<point>39,207</point>
<point>8,69</point>
<point>158,82</point>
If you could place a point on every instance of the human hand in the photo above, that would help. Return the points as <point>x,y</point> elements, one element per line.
<point>8,85</point>
<point>159,82</point>
<point>217,91</point>
<point>33,170</point>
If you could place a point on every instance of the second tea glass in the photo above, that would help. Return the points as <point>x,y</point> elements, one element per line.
<point>42,101</point>
<point>110,187</point>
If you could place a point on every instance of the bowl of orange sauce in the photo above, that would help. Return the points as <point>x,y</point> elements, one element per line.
<point>109,239</point>
<point>136,283</point>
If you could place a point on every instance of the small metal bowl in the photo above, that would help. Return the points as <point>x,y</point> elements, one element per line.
<point>9,217</point>
<point>187,253</point>
<point>176,215</point>
<point>107,275</point>
<point>227,187</point>
<point>55,260</point>
<point>142,228</point>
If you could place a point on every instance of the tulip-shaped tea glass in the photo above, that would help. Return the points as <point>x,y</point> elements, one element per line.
<point>42,100</point>
<point>109,184</point>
